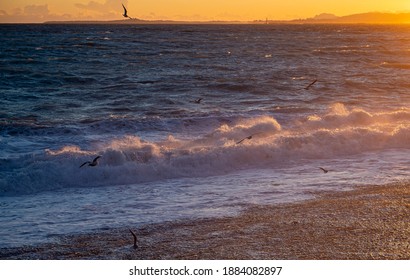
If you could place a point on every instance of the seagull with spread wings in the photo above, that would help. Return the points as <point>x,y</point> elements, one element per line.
<point>324,170</point>
<point>125,12</point>
<point>91,163</point>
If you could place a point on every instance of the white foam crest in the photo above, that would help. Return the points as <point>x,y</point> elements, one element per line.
<point>130,148</point>
<point>70,149</point>
<point>229,134</point>
<point>340,117</point>
<point>266,124</point>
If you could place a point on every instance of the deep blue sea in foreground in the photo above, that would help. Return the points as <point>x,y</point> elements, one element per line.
<point>166,108</point>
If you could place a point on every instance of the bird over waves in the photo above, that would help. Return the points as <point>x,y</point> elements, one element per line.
<point>311,84</point>
<point>91,163</point>
<point>249,137</point>
<point>125,12</point>
<point>324,170</point>
<point>135,239</point>
<point>198,100</point>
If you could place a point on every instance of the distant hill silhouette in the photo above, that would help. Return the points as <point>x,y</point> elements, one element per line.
<point>141,21</point>
<point>325,16</point>
<point>122,21</point>
<point>365,18</point>
<point>370,18</point>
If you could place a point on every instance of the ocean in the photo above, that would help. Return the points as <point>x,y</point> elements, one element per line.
<point>192,121</point>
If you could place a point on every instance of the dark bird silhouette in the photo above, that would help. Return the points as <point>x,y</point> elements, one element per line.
<point>198,100</point>
<point>91,163</point>
<point>311,84</point>
<point>324,170</point>
<point>135,239</point>
<point>125,12</point>
<point>247,138</point>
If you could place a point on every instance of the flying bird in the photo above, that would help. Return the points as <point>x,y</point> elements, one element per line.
<point>246,138</point>
<point>91,163</point>
<point>125,12</point>
<point>249,137</point>
<point>135,239</point>
<point>311,84</point>
<point>198,100</point>
<point>324,170</point>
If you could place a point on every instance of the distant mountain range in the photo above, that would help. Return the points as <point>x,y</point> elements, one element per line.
<point>325,18</point>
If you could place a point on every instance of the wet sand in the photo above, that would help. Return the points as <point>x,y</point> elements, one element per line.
<point>365,223</point>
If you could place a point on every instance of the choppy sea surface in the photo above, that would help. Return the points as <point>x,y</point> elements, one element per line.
<point>130,94</point>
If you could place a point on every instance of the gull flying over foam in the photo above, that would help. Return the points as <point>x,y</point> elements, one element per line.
<point>240,141</point>
<point>91,163</point>
<point>125,12</point>
<point>135,239</point>
<point>247,138</point>
<point>311,84</point>
<point>324,170</point>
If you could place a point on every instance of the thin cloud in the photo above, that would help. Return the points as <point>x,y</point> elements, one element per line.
<point>108,6</point>
<point>37,10</point>
<point>31,13</point>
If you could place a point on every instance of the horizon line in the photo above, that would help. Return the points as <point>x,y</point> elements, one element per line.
<point>358,18</point>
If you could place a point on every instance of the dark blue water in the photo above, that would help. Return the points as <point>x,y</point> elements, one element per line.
<point>127,93</point>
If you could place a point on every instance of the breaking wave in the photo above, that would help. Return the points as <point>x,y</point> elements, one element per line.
<point>266,143</point>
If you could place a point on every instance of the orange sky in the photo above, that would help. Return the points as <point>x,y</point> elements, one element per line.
<point>44,10</point>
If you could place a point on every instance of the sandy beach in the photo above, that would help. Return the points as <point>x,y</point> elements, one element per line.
<point>366,223</point>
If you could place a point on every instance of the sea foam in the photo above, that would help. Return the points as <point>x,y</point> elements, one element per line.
<point>129,159</point>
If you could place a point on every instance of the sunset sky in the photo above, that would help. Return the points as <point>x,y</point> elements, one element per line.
<point>45,10</point>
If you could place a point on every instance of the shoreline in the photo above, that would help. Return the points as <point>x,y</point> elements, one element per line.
<point>370,222</point>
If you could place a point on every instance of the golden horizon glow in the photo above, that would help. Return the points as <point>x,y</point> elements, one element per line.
<point>200,10</point>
